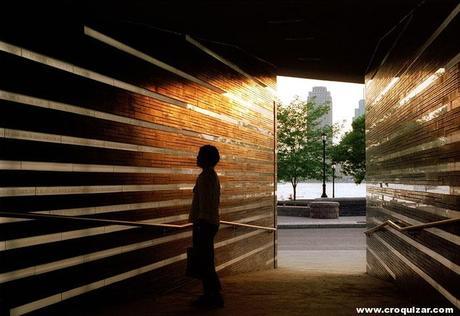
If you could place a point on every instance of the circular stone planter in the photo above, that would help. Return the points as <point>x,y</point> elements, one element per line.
<point>324,209</point>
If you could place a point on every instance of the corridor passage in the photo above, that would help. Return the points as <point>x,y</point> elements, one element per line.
<point>298,287</point>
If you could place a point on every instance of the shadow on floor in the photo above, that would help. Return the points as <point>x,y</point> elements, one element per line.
<point>276,292</point>
<point>321,272</point>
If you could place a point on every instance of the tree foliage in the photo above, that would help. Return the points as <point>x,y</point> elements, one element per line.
<point>351,151</point>
<point>299,141</point>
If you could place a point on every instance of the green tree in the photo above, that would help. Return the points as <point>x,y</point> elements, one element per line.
<point>299,141</point>
<point>351,151</point>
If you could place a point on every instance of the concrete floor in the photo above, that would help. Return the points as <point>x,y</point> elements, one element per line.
<point>337,250</point>
<point>322,272</point>
<point>282,292</point>
<point>308,222</point>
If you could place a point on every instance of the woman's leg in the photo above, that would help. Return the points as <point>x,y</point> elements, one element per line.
<point>204,239</point>
<point>211,282</point>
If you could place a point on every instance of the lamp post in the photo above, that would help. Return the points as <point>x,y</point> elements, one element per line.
<point>323,137</point>
<point>333,180</point>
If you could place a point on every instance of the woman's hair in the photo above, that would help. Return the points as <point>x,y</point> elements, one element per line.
<point>208,156</point>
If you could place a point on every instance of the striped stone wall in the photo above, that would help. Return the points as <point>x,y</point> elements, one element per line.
<point>413,161</point>
<point>103,120</point>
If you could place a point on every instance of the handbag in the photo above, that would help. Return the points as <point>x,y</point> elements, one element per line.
<point>193,269</point>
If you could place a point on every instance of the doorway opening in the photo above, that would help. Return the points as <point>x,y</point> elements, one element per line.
<point>321,190</point>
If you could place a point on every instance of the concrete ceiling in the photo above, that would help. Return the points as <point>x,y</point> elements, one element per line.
<point>323,39</point>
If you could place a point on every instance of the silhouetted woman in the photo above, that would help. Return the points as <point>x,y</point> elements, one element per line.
<point>205,218</point>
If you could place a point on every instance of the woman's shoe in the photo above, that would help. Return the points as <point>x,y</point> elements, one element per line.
<point>216,301</point>
<point>209,301</point>
<point>201,301</point>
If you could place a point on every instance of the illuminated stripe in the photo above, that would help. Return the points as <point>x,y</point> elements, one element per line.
<point>426,118</point>
<point>150,205</point>
<point>385,90</point>
<point>61,236</point>
<point>393,187</point>
<point>88,142</point>
<point>434,36</point>
<point>96,143</point>
<point>270,261</point>
<point>246,255</point>
<point>259,109</point>
<point>7,220</point>
<point>116,208</point>
<point>417,206</point>
<point>238,208</point>
<point>74,167</point>
<point>88,257</point>
<point>222,60</point>
<point>437,143</point>
<point>422,86</point>
<point>393,275</point>
<point>85,73</point>
<point>68,108</point>
<point>64,190</point>
<point>421,273</point>
<point>433,230</point>
<point>53,299</point>
<point>244,123</point>
<point>134,52</point>
<point>254,218</point>
<point>92,210</point>
<point>61,190</point>
<point>436,256</point>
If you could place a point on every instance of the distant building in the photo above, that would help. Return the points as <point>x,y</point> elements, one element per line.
<point>320,96</point>
<point>360,110</point>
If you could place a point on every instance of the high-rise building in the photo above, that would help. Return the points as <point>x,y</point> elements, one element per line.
<point>320,96</point>
<point>360,109</point>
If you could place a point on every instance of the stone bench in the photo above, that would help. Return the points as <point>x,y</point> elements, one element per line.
<point>324,209</point>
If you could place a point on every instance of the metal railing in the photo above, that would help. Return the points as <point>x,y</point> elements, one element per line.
<point>411,227</point>
<point>121,222</point>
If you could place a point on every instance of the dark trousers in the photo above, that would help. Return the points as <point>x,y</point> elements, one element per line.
<point>203,243</point>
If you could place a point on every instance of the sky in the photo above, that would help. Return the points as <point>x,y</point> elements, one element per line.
<point>345,96</point>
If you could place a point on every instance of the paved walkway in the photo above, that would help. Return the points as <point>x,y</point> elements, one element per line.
<point>307,222</point>
<point>337,250</point>
<point>319,274</point>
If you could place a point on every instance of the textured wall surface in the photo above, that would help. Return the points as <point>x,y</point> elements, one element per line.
<point>413,159</point>
<point>105,121</point>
